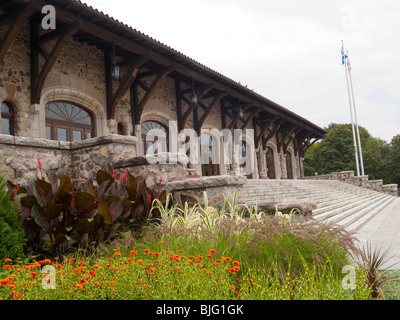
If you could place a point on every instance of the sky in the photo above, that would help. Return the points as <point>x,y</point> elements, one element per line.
<point>288,50</point>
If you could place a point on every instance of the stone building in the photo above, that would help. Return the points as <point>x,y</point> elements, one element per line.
<point>90,90</point>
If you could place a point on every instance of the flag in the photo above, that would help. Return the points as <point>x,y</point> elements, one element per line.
<point>343,56</point>
<point>348,65</point>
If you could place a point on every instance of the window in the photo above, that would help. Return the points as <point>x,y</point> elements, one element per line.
<point>209,155</point>
<point>289,168</point>
<point>7,118</point>
<point>154,137</point>
<point>246,165</point>
<point>270,163</point>
<point>66,121</point>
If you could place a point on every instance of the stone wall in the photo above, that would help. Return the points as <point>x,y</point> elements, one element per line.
<point>168,166</point>
<point>192,190</point>
<point>362,181</point>
<point>19,156</point>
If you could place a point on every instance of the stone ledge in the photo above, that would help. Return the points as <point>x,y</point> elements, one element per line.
<point>45,143</point>
<point>161,158</point>
<point>110,138</point>
<point>205,182</point>
<point>286,205</point>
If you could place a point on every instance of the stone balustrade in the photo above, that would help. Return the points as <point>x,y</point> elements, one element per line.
<point>362,181</point>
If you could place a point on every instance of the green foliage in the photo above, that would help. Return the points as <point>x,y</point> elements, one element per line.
<point>336,153</point>
<point>69,215</point>
<point>12,235</point>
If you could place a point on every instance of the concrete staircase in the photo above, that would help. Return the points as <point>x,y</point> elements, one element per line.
<point>342,203</point>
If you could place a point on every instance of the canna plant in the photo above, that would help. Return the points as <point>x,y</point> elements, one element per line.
<point>68,214</point>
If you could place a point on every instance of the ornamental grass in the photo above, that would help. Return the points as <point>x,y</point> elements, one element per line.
<point>152,275</point>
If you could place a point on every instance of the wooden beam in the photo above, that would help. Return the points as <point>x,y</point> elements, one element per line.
<point>237,116</point>
<point>145,99</point>
<point>125,83</point>
<point>203,91</point>
<point>14,27</point>
<point>273,132</point>
<point>216,99</point>
<point>252,115</point>
<point>264,131</point>
<point>39,79</point>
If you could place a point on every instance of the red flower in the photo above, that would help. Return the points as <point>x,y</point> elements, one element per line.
<point>40,164</point>
<point>212,251</point>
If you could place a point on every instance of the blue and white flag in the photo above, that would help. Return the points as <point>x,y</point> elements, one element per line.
<point>343,55</point>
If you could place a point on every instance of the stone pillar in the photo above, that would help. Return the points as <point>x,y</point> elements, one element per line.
<point>137,132</point>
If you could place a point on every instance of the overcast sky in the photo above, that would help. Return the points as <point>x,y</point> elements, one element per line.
<point>288,50</point>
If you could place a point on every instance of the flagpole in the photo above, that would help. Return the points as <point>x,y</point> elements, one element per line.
<point>351,111</point>
<point>355,117</point>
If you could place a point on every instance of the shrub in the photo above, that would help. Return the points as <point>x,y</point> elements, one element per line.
<point>69,215</point>
<point>12,235</point>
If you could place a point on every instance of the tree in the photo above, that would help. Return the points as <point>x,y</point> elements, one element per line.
<point>336,153</point>
<point>394,162</point>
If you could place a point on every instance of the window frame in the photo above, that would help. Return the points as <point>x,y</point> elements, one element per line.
<point>70,126</point>
<point>8,115</point>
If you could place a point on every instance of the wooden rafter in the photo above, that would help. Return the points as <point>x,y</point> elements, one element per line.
<point>264,130</point>
<point>237,116</point>
<point>184,116</point>
<point>278,124</point>
<point>250,117</point>
<point>139,105</point>
<point>131,73</point>
<point>18,18</point>
<point>39,74</point>
<point>289,138</point>
<point>204,116</point>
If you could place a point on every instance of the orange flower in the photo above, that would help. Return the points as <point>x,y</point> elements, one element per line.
<point>16,294</point>
<point>118,254</point>
<point>140,261</point>
<point>162,242</point>
<point>133,252</point>
<point>226,259</point>
<point>129,259</point>
<point>96,266</point>
<point>212,251</point>
<point>236,263</point>
<point>250,281</point>
<point>33,274</point>
<point>146,250</point>
<point>7,260</point>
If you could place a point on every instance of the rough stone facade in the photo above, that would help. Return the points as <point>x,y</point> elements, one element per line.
<point>79,73</point>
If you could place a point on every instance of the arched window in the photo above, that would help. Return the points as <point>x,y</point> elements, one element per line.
<point>245,154</point>
<point>66,121</point>
<point>289,168</point>
<point>7,118</point>
<point>154,137</point>
<point>209,155</point>
<point>269,157</point>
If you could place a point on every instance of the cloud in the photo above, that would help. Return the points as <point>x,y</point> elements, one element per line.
<point>288,50</point>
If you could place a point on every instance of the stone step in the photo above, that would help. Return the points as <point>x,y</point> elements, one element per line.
<point>359,201</point>
<point>361,221</point>
<point>345,204</point>
<point>350,215</point>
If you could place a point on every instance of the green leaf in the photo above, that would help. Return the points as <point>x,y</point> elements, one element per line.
<point>52,210</point>
<point>103,176</point>
<point>104,211</point>
<point>28,201</point>
<point>43,188</point>
<point>84,201</point>
<point>83,226</point>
